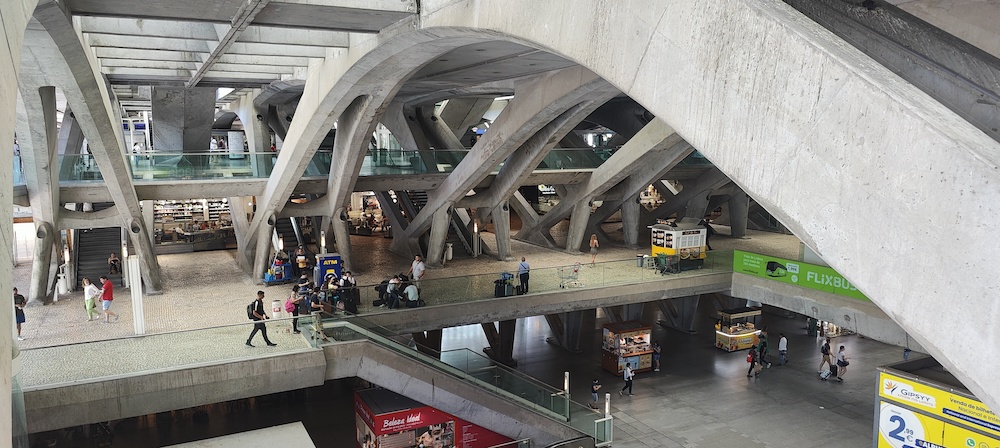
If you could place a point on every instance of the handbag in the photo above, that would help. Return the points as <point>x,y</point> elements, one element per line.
<point>340,305</point>
<point>749,357</point>
<point>289,305</point>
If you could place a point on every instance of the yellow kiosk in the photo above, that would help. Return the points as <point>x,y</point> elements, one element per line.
<point>679,245</point>
<point>737,329</point>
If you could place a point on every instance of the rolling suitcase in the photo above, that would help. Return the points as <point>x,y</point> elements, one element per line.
<point>832,371</point>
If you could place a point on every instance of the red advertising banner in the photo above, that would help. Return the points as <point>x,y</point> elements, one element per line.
<point>418,427</point>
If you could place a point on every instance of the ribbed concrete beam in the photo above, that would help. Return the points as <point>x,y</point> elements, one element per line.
<point>147,43</point>
<point>240,21</point>
<point>164,29</point>
<point>58,58</point>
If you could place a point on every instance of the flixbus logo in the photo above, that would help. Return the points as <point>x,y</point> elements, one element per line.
<point>905,392</point>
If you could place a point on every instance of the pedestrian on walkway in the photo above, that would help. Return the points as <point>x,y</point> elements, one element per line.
<point>593,248</point>
<point>259,316</point>
<point>90,294</point>
<point>826,360</point>
<point>764,349</point>
<point>628,375</point>
<point>754,360</point>
<point>782,350</point>
<point>416,271</point>
<point>19,302</point>
<point>594,387</point>
<point>657,350</point>
<point>842,363</point>
<point>523,270</point>
<point>107,295</point>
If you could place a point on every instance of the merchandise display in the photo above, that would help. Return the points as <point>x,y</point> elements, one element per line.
<point>626,342</point>
<point>737,329</point>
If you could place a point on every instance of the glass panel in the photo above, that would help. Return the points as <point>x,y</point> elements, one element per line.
<point>18,171</point>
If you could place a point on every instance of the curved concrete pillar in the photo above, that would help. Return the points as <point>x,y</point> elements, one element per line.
<point>808,127</point>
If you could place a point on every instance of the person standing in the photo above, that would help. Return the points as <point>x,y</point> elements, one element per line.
<point>90,294</point>
<point>656,356</point>
<point>709,231</point>
<point>594,387</point>
<point>628,375</point>
<point>842,363</point>
<point>19,302</point>
<point>107,295</point>
<point>827,360</point>
<point>782,349</point>
<point>294,303</point>
<point>259,316</point>
<point>593,248</point>
<point>523,270</point>
<point>416,271</point>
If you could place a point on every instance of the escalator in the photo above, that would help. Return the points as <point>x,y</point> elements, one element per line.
<point>93,247</point>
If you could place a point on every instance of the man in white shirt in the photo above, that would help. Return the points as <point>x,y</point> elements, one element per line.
<point>416,271</point>
<point>412,296</point>
<point>782,350</point>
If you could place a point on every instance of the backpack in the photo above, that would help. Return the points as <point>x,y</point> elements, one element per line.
<point>250,309</point>
<point>825,349</point>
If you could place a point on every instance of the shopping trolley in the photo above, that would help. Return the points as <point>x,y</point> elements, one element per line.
<point>569,276</point>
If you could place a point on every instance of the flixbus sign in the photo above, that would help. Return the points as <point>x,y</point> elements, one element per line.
<point>820,278</point>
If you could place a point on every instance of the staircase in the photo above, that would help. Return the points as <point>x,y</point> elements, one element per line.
<point>93,247</point>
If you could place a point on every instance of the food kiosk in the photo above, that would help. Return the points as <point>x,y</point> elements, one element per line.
<point>737,329</point>
<point>626,342</point>
<point>682,243</point>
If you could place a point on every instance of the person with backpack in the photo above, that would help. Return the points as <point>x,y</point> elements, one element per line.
<point>754,360</point>
<point>255,311</point>
<point>825,351</point>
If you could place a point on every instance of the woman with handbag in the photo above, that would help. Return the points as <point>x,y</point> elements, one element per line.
<point>753,359</point>
<point>842,363</point>
<point>292,304</point>
<point>90,293</point>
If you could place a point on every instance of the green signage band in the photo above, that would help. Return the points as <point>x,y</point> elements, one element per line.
<point>805,275</point>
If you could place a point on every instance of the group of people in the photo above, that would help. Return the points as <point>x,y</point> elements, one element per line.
<point>330,295</point>
<point>91,293</point>
<point>402,290</point>
<point>757,357</point>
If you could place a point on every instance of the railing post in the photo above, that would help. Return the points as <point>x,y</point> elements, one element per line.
<point>566,392</point>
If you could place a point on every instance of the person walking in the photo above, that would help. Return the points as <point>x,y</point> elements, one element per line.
<point>594,387</point>
<point>90,294</point>
<point>764,349</point>
<point>842,363</point>
<point>656,356</point>
<point>593,248</point>
<point>523,270</point>
<point>259,316</point>
<point>753,359</point>
<point>107,295</point>
<point>826,360</point>
<point>782,350</point>
<point>292,304</point>
<point>416,272</point>
<point>19,302</point>
<point>628,375</point>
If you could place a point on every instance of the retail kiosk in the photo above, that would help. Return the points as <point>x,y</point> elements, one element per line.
<point>737,329</point>
<point>626,342</point>
<point>680,244</point>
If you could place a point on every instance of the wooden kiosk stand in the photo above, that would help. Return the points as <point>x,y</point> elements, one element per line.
<point>626,342</point>
<point>737,329</point>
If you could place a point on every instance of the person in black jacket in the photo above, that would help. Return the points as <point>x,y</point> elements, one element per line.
<point>259,316</point>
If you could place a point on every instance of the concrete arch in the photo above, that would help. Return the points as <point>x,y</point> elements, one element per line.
<point>224,119</point>
<point>810,128</point>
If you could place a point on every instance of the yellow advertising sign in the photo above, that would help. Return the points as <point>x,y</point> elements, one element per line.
<point>939,403</point>
<point>903,428</point>
<point>961,437</point>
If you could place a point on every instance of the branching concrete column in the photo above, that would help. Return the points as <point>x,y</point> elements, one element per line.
<point>679,313</point>
<point>501,347</point>
<point>462,113</point>
<point>40,290</point>
<point>739,210</point>
<point>697,206</point>
<point>70,141</point>
<point>429,342</point>
<point>630,220</point>
<point>578,225</point>
<point>264,233</point>
<point>258,138</point>
<point>566,329</point>
<point>501,228</point>
<point>183,118</point>
<point>342,238</point>
<point>439,234</point>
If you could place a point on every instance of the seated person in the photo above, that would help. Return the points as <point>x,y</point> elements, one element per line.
<point>412,296</point>
<point>114,264</point>
<point>397,295</point>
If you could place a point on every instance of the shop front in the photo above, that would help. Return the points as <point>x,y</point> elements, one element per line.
<point>626,343</point>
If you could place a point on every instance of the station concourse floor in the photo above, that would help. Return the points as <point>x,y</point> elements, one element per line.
<point>701,398</point>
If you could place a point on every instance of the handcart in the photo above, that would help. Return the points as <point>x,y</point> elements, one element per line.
<point>279,273</point>
<point>569,276</point>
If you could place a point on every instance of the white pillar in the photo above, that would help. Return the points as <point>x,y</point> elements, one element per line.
<point>138,318</point>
